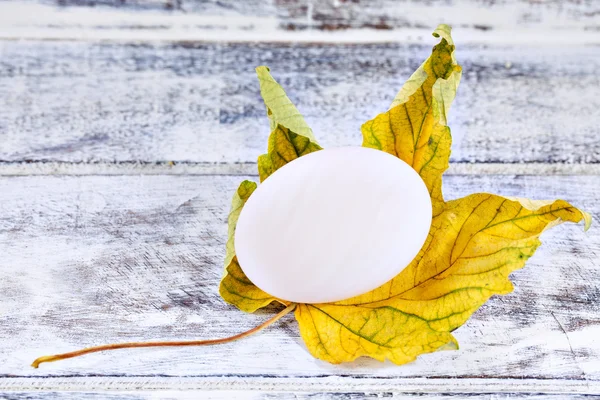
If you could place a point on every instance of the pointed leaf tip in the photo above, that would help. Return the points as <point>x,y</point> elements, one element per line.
<point>415,127</point>
<point>587,219</point>
<point>280,109</point>
<point>445,32</point>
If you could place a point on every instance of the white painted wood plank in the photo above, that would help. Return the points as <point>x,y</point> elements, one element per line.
<point>253,395</point>
<point>199,102</point>
<point>509,21</point>
<point>96,259</point>
<point>333,384</point>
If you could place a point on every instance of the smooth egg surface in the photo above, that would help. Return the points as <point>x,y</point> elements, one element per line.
<point>332,225</point>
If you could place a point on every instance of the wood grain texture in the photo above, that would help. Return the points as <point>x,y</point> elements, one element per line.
<point>250,395</point>
<point>95,259</point>
<point>153,106</point>
<point>192,102</point>
<point>378,14</point>
<point>301,20</point>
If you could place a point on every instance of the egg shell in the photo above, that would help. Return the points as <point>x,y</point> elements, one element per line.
<point>332,225</point>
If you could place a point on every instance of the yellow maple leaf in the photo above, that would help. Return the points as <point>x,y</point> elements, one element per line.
<point>280,109</point>
<point>284,147</point>
<point>473,245</point>
<point>414,128</point>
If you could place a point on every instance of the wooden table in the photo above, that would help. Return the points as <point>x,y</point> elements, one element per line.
<point>125,126</point>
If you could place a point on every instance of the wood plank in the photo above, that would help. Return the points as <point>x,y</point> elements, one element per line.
<point>199,102</point>
<point>309,385</point>
<point>252,395</point>
<point>292,20</point>
<point>95,259</point>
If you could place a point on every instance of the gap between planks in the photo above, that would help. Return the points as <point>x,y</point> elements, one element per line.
<point>245,168</point>
<point>355,36</point>
<point>306,384</point>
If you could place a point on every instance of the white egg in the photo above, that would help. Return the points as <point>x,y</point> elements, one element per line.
<point>333,224</point>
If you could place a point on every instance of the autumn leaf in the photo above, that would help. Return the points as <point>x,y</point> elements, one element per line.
<point>414,128</point>
<point>473,245</point>
<point>235,287</point>
<point>291,137</point>
<point>280,109</point>
<point>239,199</point>
<point>284,146</point>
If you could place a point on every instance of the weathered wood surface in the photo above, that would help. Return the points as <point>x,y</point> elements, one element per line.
<point>246,395</point>
<point>249,395</point>
<point>95,259</point>
<point>200,103</point>
<point>305,20</point>
<point>132,86</point>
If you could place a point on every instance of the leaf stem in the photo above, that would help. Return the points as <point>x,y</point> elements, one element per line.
<point>130,345</point>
